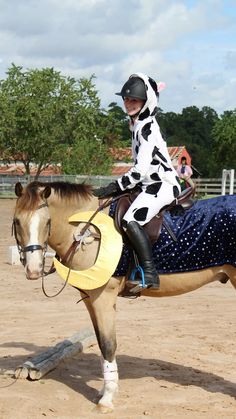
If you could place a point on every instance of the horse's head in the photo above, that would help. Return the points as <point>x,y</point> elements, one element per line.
<point>31,226</point>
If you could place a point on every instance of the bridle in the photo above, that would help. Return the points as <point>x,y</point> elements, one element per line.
<point>32,247</point>
<point>69,254</point>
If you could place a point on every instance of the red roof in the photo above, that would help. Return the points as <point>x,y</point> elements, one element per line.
<point>177,152</point>
<point>120,169</point>
<point>19,169</point>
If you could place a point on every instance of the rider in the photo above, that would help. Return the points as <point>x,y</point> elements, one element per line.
<point>185,172</point>
<point>152,170</point>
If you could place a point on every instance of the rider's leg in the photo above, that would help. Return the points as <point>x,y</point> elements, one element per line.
<point>190,182</point>
<point>142,246</point>
<point>153,199</point>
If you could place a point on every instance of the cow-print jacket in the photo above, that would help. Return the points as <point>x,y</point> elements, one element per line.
<point>152,162</point>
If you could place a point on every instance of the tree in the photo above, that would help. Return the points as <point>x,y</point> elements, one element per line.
<point>170,125</point>
<point>37,114</point>
<point>198,124</point>
<point>48,118</point>
<point>88,157</point>
<point>89,154</point>
<point>117,126</point>
<point>224,137</point>
<point>192,128</point>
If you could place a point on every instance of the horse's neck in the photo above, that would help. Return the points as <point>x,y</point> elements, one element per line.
<point>62,232</point>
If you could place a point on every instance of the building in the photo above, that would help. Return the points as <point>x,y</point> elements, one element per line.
<point>123,158</point>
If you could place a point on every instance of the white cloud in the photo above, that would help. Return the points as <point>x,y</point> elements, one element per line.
<point>188,44</point>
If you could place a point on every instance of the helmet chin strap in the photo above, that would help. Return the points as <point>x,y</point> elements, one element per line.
<point>137,113</point>
<point>133,117</point>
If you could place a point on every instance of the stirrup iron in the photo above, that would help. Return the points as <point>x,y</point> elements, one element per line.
<point>139,285</point>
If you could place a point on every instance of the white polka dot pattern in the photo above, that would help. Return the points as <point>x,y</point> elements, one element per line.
<point>206,236</point>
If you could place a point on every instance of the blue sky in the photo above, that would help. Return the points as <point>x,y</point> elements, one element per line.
<point>190,45</point>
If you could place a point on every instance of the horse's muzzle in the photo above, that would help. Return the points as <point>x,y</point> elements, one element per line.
<point>32,275</point>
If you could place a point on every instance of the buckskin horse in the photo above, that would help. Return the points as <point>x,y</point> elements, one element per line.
<point>205,251</point>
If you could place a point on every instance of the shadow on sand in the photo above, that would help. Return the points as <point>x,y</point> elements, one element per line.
<point>80,370</point>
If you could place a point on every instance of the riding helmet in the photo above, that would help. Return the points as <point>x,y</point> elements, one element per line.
<point>135,88</point>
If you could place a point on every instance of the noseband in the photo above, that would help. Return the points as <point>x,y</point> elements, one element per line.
<point>32,247</point>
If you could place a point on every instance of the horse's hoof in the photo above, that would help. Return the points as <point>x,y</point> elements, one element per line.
<point>104,409</point>
<point>96,399</point>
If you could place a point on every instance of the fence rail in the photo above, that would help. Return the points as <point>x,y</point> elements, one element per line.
<point>204,186</point>
<point>211,186</point>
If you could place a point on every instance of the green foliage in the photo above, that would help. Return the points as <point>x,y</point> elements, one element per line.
<point>88,157</point>
<point>46,117</point>
<point>37,111</point>
<point>224,137</point>
<point>89,153</point>
<point>192,128</point>
<point>114,124</point>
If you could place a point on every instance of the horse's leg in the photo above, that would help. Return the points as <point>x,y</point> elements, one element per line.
<point>102,309</point>
<point>232,276</point>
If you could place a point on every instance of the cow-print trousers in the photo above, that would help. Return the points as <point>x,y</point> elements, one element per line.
<point>150,202</point>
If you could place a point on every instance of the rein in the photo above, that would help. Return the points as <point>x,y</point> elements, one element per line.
<point>74,245</point>
<point>68,257</point>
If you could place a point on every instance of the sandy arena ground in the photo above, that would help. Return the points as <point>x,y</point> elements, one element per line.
<point>176,356</point>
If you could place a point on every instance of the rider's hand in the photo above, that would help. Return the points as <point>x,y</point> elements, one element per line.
<point>106,191</point>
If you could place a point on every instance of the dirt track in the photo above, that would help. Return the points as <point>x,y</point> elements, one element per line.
<point>176,355</point>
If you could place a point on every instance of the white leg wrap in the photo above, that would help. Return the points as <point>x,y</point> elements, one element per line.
<point>110,374</point>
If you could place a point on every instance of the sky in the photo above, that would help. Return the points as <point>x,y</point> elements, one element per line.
<point>190,45</point>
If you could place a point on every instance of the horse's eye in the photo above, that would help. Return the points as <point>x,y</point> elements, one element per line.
<point>16,221</point>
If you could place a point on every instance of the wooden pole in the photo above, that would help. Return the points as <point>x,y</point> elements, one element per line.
<point>47,361</point>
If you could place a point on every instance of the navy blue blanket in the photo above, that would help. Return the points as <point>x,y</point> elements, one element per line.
<point>206,235</point>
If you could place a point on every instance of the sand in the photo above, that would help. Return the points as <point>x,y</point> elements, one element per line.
<point>176,355</point>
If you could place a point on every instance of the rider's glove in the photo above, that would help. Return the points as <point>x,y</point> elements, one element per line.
<point>109,190</point>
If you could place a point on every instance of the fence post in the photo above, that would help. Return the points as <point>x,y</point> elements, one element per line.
<point>225,174</point>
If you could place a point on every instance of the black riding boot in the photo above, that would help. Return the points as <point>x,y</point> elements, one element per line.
<point>142,246</point>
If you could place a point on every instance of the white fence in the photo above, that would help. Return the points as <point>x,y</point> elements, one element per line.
<point>204,186</point>
<point>213,186</point>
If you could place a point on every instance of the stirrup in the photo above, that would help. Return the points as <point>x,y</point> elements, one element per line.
<point>138,285</point>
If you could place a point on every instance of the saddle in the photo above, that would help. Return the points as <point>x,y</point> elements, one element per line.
<point>154,226</point>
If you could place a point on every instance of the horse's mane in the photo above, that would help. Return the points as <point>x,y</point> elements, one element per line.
<point>31,198</point>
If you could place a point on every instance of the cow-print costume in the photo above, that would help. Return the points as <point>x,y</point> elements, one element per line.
<point>152,168</point>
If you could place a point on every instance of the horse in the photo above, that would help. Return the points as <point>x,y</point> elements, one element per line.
<point>41,218</point>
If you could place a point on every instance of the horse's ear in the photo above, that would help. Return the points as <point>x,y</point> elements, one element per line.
<point>46,192</point>
<point>18,189</point>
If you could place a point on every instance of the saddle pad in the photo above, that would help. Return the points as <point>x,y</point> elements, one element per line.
<point>206,236</point>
